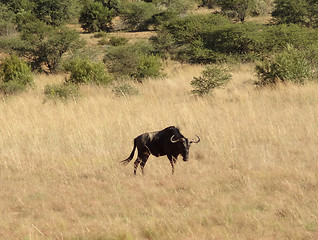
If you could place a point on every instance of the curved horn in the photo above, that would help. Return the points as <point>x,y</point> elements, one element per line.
<point>192,141</point>
<point>174,141</point>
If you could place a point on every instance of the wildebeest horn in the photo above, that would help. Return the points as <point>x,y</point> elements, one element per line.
<point>174,141</point>
<point>192,141</point>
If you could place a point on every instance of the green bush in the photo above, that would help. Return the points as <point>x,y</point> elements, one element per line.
<point>117,41</point>
<point>244,41</point>
<point>238,8</point>
<point>290,65</point>
<point>124,90</point>
<point>15,75</point>
<point>62,91</point>
<point>277,37</point>
<point>291,11</point>
<point>45,45</point>
<point>212,38</point>
<point>11,87</point>
<point>96,17</point>
<point>7,25</point>
<point>136,61</point>
<point>148,66</point>
<point>137,15</point>
<point>184,38</point>
<point>212,77</point>
<point>84,71</point>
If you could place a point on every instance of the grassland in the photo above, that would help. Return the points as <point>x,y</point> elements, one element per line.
<point>253,175</point>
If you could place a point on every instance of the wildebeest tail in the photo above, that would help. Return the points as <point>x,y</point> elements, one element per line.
<point>126,161</point>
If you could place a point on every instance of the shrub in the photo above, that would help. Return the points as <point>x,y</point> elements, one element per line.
<point>15,74</point>
<point>186,38</point>
<point>277,37</point>
<point>102,41</point>
<point>137,15</point>
<point>290,65</point>
<point>124,90</point>
<point>291,11</point>
<point>11,87</point>
<point>212,77</point>
<point>84,71</point>
<point>239,8</point>
<point>7,26</point>
<point>148,66</point>
<point>45,45</point>
<point>117,41</point>
<point>62,91</point>
<point>136,61</point>
<point>212,38</point>
<point>95,17</point>
<point>100,35</point>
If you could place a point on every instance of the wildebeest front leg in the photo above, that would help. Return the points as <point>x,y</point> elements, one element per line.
<point>172,162</point>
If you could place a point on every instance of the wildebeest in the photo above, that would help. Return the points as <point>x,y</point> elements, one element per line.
<point>168,141</point>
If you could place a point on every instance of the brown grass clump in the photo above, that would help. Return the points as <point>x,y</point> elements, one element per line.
<point>252,176</point>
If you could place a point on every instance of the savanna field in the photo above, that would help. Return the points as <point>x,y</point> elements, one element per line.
<point>252,176</point>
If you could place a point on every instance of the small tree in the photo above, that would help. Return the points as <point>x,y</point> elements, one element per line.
<point>137,15</point>
<point>291,11</point>
<point>212,77</point>
<point>45,45</point>
<point>52,12</point>
<point>96,17</point>
<point>7,26</point>
<point>239,7</point>
<point>135,61</point>
<point>84,71</point>
<point>290,65</point>
<point>15,75</point>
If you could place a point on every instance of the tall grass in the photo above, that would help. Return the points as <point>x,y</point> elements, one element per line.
<point>252,176</point>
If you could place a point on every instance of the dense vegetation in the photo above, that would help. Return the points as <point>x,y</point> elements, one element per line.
<point>39,32</point>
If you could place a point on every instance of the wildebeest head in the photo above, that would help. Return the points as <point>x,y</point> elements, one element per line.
<point>183,145</point>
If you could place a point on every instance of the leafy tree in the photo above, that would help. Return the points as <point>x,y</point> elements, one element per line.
<point>291,11</point>
<point>19,6</point>
<point>208,3</point>
<point>115,5</point>
<point>15,75</point>
<point>7,26</point>
<point>84,71</point>
<point>211,78</point>
<point>44,45</point>
<point>136,61</point>
<point>53,12</point>
<point>95,17</point>
<point>238,7</point>
<point>138,15</point>
<point>290,65</point>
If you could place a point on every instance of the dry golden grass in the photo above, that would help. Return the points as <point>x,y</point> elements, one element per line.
<point>252,176</point>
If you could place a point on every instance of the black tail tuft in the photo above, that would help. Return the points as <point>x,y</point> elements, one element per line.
<point>126,161</point>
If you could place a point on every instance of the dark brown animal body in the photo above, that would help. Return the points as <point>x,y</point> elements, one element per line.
<point>167,142</point>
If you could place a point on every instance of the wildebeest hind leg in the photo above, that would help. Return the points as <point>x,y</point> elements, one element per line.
<point>136,163</point>
<point>143,162</point>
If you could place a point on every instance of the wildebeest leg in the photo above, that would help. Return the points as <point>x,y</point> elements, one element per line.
<point>144,158</point>
<point>172,162</point>
<point>136,163</point>
<point>143,162</point>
